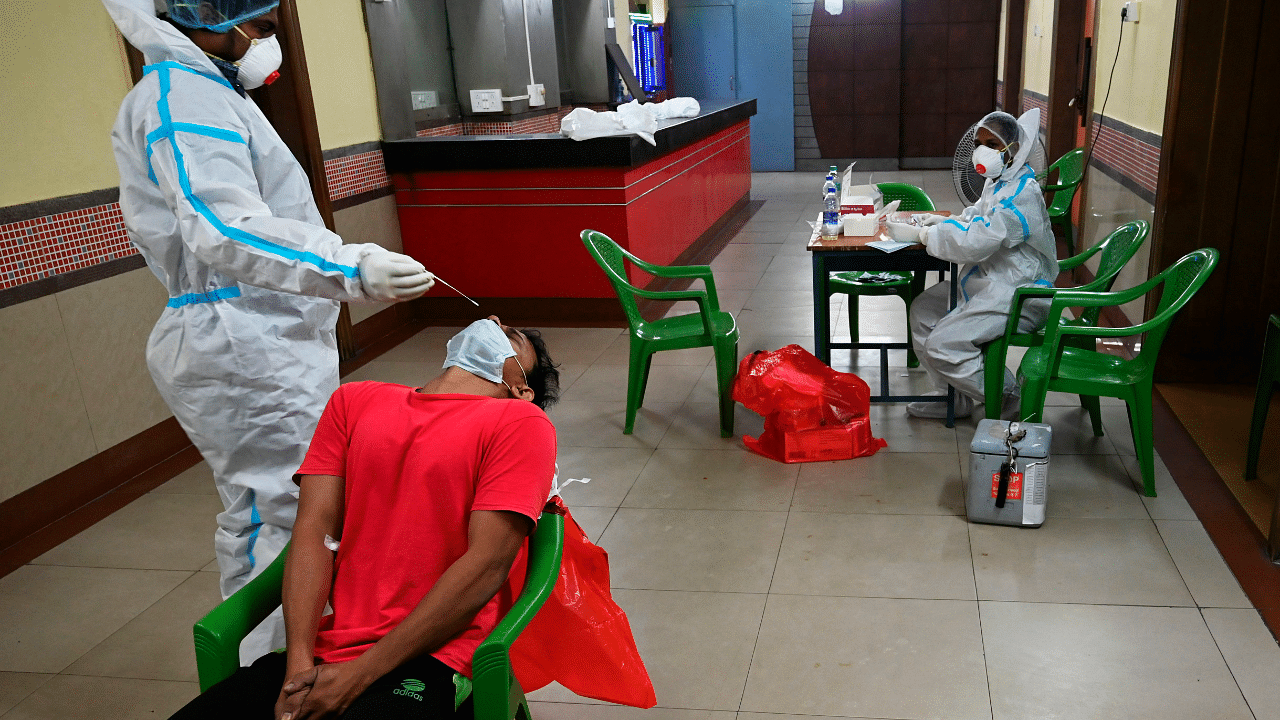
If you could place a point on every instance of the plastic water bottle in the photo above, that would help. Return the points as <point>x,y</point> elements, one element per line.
<point>829,184</point>
<point>835,175</point>
<point>831,214</point>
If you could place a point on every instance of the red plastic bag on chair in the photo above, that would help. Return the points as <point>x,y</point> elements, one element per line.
<point>581,638</point>
<point>811,412</point>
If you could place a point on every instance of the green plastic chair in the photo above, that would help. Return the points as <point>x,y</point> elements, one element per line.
<point>905,284</point>
<point>1267,378</point>
<point>1058,365</point>
<point>495,693</point>
<point>1115,251</point>
<point>710,326</point>
<point>1070,169</point>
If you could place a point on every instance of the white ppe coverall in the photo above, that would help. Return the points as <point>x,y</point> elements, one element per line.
<point>245,354</point>
<point>1003,241</point>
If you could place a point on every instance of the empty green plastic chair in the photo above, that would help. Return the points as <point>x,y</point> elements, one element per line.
<point>1070,169</point>
<point>709,327</point>
<point>1058,365</point>
<point>904,284</point>
<point>496,695</point>
<point>1114,252</point>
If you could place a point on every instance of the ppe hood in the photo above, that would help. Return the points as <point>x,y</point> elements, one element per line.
<point>158,40</point>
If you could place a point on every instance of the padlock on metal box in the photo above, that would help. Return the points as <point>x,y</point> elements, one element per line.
<point>1018,496</point>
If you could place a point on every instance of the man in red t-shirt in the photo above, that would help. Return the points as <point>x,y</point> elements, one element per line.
<point>413,512</point>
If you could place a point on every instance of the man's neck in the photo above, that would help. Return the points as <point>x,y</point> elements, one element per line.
<point>456,381</point>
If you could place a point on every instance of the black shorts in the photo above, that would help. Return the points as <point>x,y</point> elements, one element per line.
<point>422,688</point>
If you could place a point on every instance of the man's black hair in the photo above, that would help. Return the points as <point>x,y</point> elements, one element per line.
<point>544,377</point>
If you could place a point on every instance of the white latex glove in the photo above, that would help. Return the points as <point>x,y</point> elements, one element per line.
<point>927,219</point>
<point>924,237</point>
<point>903,232</point>
<point>392,277</point>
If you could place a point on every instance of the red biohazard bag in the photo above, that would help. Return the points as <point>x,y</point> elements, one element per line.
<point>811,412</point>
<point>581,638</point>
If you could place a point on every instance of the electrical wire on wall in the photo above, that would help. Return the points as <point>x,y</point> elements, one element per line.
<point>1088,155</point>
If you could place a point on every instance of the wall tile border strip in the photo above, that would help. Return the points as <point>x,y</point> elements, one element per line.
<point>53,206</point>
<point>65,281</point>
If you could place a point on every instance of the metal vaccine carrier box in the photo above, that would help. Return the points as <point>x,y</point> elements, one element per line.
<point>1009,473</point>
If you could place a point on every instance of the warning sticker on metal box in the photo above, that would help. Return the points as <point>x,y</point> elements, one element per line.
<point>1015,486</point>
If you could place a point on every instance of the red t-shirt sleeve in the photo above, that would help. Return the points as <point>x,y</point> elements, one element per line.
<point>518,464</point>
<point>328,452</point>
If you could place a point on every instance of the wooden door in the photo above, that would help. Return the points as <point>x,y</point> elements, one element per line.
<point>949,50</point>
<point>855,79</point>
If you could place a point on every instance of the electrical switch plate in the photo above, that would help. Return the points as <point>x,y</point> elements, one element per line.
<point>1035,31</point>
<point>423,99</point>
<point>537,95</point>
<point>486,101</point>
<point>1132,11</point>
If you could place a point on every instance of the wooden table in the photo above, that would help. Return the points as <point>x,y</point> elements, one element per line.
<point>841,253</point>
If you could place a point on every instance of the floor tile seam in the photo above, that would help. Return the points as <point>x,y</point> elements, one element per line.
<point>630,489</point>
<point>48,678</point>
<point>885,514</point>
<point>1099,604</point>
<point>982,636</point>
<point>872,597</point>
<point>33,563</point>
<point>1181,575</point>
<point>755,643</point>
<point>81,656</point>
<point>700,592</point>
<point>1227,663</point>
<point>116,677</point>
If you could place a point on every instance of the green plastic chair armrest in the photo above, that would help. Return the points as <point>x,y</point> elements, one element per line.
<point>495,691</point>
<point>218,634</point>
<point>1021,295</point>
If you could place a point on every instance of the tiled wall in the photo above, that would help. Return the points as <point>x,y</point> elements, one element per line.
<point>1030,99</point>
<point>807,156</point>
<point>355,174</point>
<point>1130,154</point>
<point>53,244</point>
<point>548,123</point>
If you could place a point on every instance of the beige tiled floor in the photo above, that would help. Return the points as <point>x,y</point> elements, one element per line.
<point>756,590</point>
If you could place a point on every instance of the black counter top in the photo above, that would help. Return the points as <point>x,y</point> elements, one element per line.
<point>494,152</point>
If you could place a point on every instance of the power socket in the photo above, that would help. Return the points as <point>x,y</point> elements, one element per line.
<point>537,95</point>
<point>1130,11</point>
<point>486,101</point>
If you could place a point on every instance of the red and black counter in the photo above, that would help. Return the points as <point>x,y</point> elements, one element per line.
<point>499,216</point>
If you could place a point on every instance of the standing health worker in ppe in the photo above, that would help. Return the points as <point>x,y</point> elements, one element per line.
<point>245,353</point>
<point>1003,241</point>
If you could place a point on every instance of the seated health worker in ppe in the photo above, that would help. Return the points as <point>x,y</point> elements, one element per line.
<point>429,494</point>
<point>245,353</point>
<point>999,243</point>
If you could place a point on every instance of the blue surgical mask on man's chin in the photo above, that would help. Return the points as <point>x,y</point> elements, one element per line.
<point>482,348</point>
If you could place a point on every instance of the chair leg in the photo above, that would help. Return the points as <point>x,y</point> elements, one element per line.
<point>637,376</point>
<point>1068,233</point>
<point>908,295</point>
<point>853,325</point>
<point>993,376</point>
<point>1034,391</point>
<point>726,368</point>
<point>1094,406</point>
<point>1143,442</point>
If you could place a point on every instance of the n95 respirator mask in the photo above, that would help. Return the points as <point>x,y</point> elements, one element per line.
<point>481,349</point>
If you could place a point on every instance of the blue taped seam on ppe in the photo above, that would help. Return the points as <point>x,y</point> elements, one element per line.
<point>162,132</point>
<point>256,520</point>
<point>184,182</point>
<point>1043,283</point>
<point>964,280</point>
<point>952,221</point>
<point>173,65</point>
<point>1008,202</point>
<point>200,298</point>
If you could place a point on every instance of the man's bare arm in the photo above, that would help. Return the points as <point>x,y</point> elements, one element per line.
<point>308,571</point>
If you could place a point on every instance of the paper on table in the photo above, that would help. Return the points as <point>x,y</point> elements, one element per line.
<point>889,245</point>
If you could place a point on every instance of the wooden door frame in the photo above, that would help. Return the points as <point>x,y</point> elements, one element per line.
<point>1064,77</point>
<point>1015,39</point>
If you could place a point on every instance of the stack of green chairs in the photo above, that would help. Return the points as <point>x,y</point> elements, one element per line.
<point>496,693</point>
<point>904,284</point>
<point>710,326</point>
<point>1114,251</point>
<point>1070,169</point>
<point>1059,365</point>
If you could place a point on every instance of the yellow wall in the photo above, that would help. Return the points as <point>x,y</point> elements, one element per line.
<point>1038,53</point>
<point>341,69</point>
<point>58,106</point>
<point>1142,70</point>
